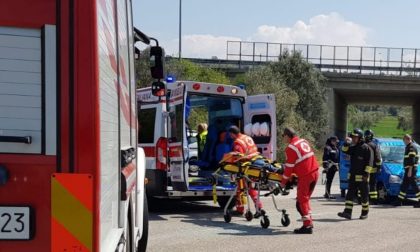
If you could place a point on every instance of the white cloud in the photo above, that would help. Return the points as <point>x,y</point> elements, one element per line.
<point>201,46</point>
<point>331,29</point>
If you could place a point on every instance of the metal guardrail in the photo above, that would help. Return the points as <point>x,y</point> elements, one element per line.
<point>329,58</point>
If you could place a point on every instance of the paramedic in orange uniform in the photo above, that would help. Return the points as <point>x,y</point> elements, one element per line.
<point>245,145</point>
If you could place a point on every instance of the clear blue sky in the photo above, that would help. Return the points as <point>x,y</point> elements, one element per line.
<point>386,22</point>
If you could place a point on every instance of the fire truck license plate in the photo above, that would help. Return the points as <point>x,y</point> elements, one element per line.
<point>15,223</point>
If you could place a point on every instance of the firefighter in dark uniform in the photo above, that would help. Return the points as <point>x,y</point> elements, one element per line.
<point>411,159</point>
<point>330,161</point>
<point>376,167</point>
<point>360,160</point>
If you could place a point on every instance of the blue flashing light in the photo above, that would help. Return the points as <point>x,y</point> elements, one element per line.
<point>170,79</point>
<point>241,86</point>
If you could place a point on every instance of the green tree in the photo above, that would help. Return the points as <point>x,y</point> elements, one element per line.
<point>310,86</point>
<point>142,65</point>
<point>287,81</point>
<point>364,119</point>
<point>263,81</point>
<point>182,70</point>
<point>405,119</point>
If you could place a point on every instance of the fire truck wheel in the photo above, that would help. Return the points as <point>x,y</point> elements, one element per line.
<point>142,244</point>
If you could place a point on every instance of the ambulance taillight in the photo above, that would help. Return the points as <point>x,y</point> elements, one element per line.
<point>161,153</point>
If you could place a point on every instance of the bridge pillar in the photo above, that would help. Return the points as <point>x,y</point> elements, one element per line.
<point>416,121</point>
<point>337,116</point>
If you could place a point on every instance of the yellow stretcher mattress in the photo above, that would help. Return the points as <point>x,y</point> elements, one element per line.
<point>252,172</point>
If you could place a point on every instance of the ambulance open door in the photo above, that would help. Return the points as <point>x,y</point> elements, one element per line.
<point>178,172</point>
<point>260,123</point>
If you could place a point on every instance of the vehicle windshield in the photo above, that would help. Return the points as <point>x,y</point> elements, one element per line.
<point>394,154</point>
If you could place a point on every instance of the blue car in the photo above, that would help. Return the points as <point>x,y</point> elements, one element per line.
<point>392,172</point>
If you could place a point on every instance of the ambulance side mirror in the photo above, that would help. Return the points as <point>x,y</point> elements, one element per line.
<point>158,88</point>
<point>157,62</point>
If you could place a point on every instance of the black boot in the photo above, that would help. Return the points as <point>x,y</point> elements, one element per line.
<point>417,205</point>
<point>345,215</point>
<point>363,217</point>
<point>365,211</point>
<point>328,196</point>
<point>304,230</point>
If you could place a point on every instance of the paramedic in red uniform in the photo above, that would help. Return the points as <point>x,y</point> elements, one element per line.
<point>245,145</point>
<point>300,160</point>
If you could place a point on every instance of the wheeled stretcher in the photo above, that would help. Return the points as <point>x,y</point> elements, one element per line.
<point>257,170</point>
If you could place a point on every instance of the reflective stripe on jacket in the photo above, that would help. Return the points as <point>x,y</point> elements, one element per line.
<point>300,158</point>
<point>244,144</point>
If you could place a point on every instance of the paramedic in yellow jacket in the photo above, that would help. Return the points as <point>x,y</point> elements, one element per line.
<point>201,138</point>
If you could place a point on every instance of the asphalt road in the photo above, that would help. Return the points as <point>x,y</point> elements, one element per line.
<point>199,226</point>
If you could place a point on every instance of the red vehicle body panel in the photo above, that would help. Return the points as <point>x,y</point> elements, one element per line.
<point>78,146</point>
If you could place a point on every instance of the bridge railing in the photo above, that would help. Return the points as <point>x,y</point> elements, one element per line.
<point>344,59</point>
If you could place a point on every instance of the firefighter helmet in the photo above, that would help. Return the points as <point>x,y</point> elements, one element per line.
<point>368,135</point>
<point>357,132</point>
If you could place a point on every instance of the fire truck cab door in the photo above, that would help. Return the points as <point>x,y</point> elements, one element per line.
<point>177,149</point>
<point>260,122</point>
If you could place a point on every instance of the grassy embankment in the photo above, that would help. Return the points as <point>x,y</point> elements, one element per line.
<point>387,127</point>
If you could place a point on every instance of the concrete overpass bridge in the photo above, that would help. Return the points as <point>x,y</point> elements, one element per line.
<point>356,75</point>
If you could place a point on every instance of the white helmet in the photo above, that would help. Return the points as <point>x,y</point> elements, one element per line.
<point>264,130</point>
<point>256,129</point>
<point>248,129</point>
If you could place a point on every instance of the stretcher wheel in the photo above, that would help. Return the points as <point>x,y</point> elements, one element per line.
<point>249,216</point>
<point>265,222</point>
<point>285,220</point>
<point>227,217</point>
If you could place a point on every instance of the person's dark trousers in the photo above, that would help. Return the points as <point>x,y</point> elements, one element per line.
<point>373,189</point>
<point>409,181</point>
<point>330,177</point>
<point>356,183</point>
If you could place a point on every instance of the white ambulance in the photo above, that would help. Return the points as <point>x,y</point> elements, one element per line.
<point>166,123</point>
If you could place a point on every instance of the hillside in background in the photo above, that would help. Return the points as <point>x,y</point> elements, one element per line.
<point>385,121</point>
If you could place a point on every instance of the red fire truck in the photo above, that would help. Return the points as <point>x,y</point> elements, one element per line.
<point>71,175</point>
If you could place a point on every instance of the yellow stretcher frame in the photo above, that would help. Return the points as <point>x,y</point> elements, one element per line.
<point>252,172</point>
<point>242,166</point>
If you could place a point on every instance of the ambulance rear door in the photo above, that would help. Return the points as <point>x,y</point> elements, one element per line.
<point>178,172</point>
<point>260,123</point>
